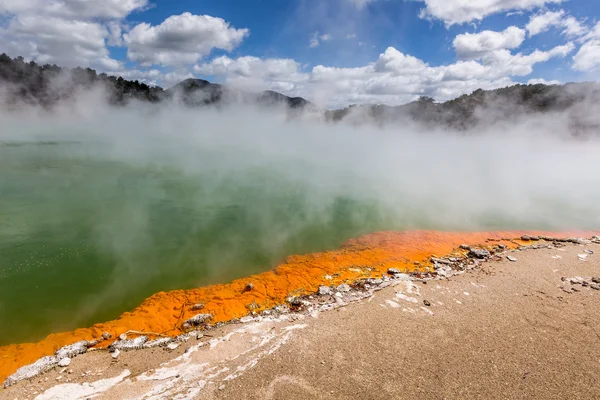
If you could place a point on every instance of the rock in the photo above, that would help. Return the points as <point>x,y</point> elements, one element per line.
<point>172,346</point>
<point>465,247</point>
<point>440,261</point>
<point>123,336</point>
<point>595,286</point>
<point>282,309</point>
<point>427,303</point>
<point>403,277</point>
<point>596,279</point>
<point>325,291</point>
<point>115,353</point>
<point>129,344</point>
<point>198,319</point>
<point>344,288</point>
<point>511,259</point>
<point>374,282</point>
<point>393,271</point>
<point>157,343</point>
<point>32,370</point>
<point>501,246</point>
<point>72,350</point>
<point>249,287</point>
<point>106,336</point>
<point>294,301</point>
<point>588,251</point>
<point>197,307</point>
<point>65,362</point>
<point>479,253</point>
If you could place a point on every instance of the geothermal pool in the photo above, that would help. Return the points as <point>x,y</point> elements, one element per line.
<point>92,224</point>
<point>85,238</point>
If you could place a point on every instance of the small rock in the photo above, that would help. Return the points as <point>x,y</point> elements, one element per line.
<point>344,288</point>
<point>115,353</point>
<point>198,319</point>
<point>294,301</point>
<point>249,287</point>
<point>502,246</point>
<point>64,362</point>
<point>172,346</point>
<point>511,259</point>
<point>106,336</point>
<point>479,253</point>
<point>324,291</point>
<point>465,247</point>
<point>393,271</point>
<point>123,336</point>
<point>427,303</point>
<point>197,307</point>
<point>595,286</point>
<point>596,279</point>
<point>588,251</point>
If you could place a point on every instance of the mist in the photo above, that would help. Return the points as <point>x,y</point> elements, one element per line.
<point>101,206</point>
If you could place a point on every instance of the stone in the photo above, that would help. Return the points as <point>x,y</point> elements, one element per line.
<point>197,307</point>
<point>595,286</point>
<point>344,288</point>
<point>72,350</point>
<point>157,343</point>
<point>198,319</point>
<point>393,271</point>
<point>249,287</point>
<point>588,251</point>
<point>115,354</point>
<point>325,291</point>
<point>129,344</point>
<point>123,336</point>
<point>427,303</point>
<point>172,346</point>
<point>502,246</point>
<point>32,370</point>
<point>596,279</point>
<point>479,253</point>
<point>440,261</point>
<point>511,259</point>
<point>465,247</point>
<point>106,336</point>
<point>65,362</point>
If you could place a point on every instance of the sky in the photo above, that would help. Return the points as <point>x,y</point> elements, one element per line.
<point>332,52</point>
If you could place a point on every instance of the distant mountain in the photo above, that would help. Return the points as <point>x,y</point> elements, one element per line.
<point>47,85</point>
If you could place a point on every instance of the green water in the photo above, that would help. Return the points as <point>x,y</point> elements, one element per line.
<point>85,238</point>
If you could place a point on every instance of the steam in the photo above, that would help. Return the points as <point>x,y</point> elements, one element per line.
<point>102,206</point>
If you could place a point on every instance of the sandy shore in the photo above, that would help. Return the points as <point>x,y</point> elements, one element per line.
<point>504,330</point>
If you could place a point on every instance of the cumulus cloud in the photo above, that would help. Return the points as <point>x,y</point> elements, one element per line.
<point>67,32</point>
<point>542,22</point>
<point>316,39</point>
<point>394,78</point>
<point>181,39</point>
<point>588,56</point>
<point>463,11</point>
<point>476,45</point>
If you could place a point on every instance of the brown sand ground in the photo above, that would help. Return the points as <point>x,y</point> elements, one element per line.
<point>505,331</point>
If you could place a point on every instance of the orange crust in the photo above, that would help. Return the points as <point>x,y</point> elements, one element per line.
<point>367,256</point>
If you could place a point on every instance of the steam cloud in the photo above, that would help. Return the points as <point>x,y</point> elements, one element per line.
<point>169,197</point>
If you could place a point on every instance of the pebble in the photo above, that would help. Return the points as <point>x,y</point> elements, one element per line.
<point>595,286</point>
<point>172,346</point>
<point>115,353</point>
<point>344,288</point>
<point>596,279</point>
<point>393,271</point>
<point>511,259</point>
<point>427,303</point>
<point>106,336</point>
<point>249,287</point>
<point>479,253</point>
<point>64,362</point>
<point>197,307</point>
<point>123,336</point>
<point>324,291</point>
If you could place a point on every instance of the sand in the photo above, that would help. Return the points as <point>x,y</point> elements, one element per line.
<point>508,330</point>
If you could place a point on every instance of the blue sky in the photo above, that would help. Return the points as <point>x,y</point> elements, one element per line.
<point>334,52</point>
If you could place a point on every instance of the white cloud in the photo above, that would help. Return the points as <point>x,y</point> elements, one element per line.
<point>360,4</point>
<point>463,11</point>
<point>394,78</point>
<point>588,56</point>
<point>316,39</point>
<point>476,45</point>
<point>74,9</point>
<point>181,39</point>
<point>542,22</point>
<point>543,82</point>
<point>66,32</point>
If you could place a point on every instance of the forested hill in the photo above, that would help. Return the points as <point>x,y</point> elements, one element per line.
<point>47,85</point>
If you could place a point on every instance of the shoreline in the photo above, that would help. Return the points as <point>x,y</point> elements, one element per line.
<point>370,256</point>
